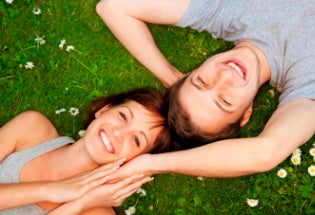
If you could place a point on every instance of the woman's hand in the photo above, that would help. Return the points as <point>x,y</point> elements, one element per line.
<point>70,189</point>
<point>103,196</point>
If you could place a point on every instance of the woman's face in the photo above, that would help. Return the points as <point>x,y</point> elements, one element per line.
<point>122,131</point>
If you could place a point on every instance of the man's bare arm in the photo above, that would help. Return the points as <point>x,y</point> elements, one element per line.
<point>290,126</point>
<point>127,20</point>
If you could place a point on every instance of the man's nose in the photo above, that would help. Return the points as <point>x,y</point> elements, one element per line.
<point>225,77</point>
<point>208,81</point>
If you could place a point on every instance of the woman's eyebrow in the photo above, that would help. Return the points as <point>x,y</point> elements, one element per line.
<point>129,110</point>
<point>145,137</point>
<point>141,132</point>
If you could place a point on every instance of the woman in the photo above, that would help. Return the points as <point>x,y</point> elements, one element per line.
<point>41,171</point>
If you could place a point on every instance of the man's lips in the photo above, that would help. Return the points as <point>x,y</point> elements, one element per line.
<point>238,68</point>
<point>108,145</point>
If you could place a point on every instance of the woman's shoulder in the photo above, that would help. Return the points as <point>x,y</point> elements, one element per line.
<point>31,128</point>
<point>34,116</point>
<point>38,126</point>
<point>33,119</point>
<point>25,130</point>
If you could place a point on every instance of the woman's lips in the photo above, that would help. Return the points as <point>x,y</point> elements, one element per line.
<point>108,145</point>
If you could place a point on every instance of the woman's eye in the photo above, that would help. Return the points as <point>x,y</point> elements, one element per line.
<point>123,116</point>
<point>136,141</point>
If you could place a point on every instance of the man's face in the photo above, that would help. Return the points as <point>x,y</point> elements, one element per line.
<point>222,89</point>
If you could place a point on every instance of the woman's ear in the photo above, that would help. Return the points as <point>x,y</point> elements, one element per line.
<point>247,115</point>
<point>101,110</point>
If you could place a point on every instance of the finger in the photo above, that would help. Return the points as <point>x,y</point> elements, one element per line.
<point>104,170</point>
<point>130,184</point>
<point>99,177</point>
<point>132,188</point>
<point>113,164</point>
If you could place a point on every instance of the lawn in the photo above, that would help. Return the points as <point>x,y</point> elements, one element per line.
<point>58,55</point>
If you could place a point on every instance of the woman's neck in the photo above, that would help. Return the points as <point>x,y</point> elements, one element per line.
<point>68,161</point>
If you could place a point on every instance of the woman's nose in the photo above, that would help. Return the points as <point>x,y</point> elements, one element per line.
<point>117,134</point>
<point>120,133</point>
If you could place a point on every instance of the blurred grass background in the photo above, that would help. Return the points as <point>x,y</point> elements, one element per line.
<point>99,65</point>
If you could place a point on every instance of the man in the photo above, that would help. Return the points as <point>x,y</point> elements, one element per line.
<point>274,41</point>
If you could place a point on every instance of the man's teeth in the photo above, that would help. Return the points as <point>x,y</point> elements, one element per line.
<point>106,141</point>
<point>236,68</point>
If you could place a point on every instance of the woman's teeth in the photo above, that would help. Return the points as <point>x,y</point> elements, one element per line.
<point>106,142</point>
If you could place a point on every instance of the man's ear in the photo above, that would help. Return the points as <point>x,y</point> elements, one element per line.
<point>247,115</point>
<point>101,110</point>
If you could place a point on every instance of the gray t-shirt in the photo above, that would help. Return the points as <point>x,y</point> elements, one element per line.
<point>283,29</point>
<point>12,165</point>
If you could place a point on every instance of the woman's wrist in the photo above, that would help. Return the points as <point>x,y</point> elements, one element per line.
<point>69,208</point>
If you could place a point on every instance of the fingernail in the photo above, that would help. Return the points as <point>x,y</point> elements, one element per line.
<point>116,167</point>
<point>139,175</point>
<point>121,161</point>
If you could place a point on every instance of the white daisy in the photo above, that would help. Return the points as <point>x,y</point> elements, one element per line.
<point>37,11</point>
<point>62,43</point>
<point>282,173</point>
<point>70,48</point>
<point>131,210</point>
<point>312,151</point>
<point>142,192</point>
<point>252,202</point>
<point>200,178</point>
<point>9,1</point>
<point>60,111</point>
<point>29,65</point>
<point>311,170</point>
<point>296,159</point>
<point>297,152</point>
<point>74,111</point>
<point>40,40</point>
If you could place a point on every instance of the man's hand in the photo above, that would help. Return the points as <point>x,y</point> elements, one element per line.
<point>139,165</point>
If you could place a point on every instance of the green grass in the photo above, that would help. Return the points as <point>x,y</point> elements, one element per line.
<point>99,65</point>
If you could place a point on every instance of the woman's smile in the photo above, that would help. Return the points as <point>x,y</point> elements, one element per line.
<point>106,141</point>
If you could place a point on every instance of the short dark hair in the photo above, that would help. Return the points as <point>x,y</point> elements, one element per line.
<point>182,129</point>
<point>150,99</point>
